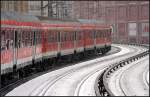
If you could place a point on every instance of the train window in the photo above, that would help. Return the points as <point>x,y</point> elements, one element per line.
<point>26,38</point>
<point>61,36</point>
<point>93,33</point>
<point>65,36</point>
<point>29,38</point>
<point>80,35</point>
<point>32,37</point>
<point>102,34</point>
<point>38,37</point>
<point>6,39</point>
<point>105,33</point>
<point>108,33</point>
<point>23,38</point>
<point>72,36</point>
<point>97,34</point>
<point>51,37</point>
<point>3,40</point>
<point>69,36</point>
<point>89,34</point>
<point>24,35</point>
<point>19,39</point>
<point>55,36</point>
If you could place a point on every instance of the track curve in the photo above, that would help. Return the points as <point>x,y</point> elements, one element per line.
<point>69,80</point>
<point>129,80</point>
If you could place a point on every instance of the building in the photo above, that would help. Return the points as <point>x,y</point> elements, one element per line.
<point>129,19</point>
<point>48,8</point>
<point>34,8</point>
<point>18,6</point>
<point>53,9</point>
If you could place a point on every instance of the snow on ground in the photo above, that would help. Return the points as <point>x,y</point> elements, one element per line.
<point>132,81</point>
<point>66,80</point>
<point>147,77</point>
<point>127,80</point>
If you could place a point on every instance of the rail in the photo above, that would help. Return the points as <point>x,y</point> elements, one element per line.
<point>101,85</point>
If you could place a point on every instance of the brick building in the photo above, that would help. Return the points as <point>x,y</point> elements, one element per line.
<point>130,19</point>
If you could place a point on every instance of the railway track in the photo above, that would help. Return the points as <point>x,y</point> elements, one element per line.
<point>147,78</point>
<point>116,71</point>
<point>131,81</point>
<point>74,80</point>
<point>11,86</point>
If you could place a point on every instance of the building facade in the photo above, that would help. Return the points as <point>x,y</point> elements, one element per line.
<point>17,6</point>
<point>53,9</point>
<point>48,8</point>
<point>130,19</point>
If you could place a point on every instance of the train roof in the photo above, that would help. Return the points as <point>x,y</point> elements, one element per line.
<point>10,18</point>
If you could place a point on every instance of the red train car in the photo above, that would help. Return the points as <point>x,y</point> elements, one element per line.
<point>27,42</point>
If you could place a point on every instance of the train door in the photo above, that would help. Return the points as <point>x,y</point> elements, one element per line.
<point>24,46</point>
<point>38,44</point>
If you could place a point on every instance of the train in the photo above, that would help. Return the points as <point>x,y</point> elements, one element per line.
<point>26,40</point>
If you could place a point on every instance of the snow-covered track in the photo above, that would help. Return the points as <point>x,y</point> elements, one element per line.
<point>76,79</point>
<point>115,67</point>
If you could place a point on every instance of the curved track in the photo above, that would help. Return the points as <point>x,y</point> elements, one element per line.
<point>147,77</point>
<point>130,80</point>
<point>76,80</point>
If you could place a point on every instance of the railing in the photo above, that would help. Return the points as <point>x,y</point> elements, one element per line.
<point>101,86</point>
